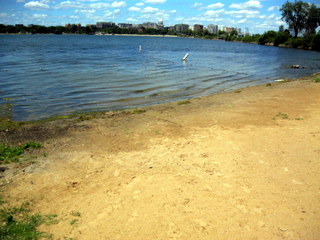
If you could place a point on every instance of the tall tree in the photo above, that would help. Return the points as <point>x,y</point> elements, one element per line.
<point>295,15</point>
<point>312,20</point>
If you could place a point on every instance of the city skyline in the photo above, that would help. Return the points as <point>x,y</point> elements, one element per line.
<point>257,15</point>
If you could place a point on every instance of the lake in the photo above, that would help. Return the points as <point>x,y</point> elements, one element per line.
<point>48,75</point>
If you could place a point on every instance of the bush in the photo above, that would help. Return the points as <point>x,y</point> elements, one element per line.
<point>281,38</point>
<point>268,37</point>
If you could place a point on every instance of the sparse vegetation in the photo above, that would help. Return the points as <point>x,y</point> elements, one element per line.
<point>138,111</point>
<point>282,115</point>
<point>298,118</point>
<point>12,154</point>
<point>17,223</point>
<point>73,221</point>
<point>75,214</point>
<point>317,79</point>
<point>183,102</point>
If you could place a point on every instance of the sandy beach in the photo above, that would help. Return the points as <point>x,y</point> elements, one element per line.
<point>243,164</point>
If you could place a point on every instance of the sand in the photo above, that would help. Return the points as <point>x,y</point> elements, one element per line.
<point>238,165</point>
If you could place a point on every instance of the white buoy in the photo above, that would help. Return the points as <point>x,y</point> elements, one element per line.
<point>140,48</point>
<point>185,57</point>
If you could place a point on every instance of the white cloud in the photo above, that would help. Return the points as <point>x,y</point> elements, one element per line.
<point>155,1</point>
<point>134,9</point>
<point>130,19</point>
<point>69,4</point>
<point>85,11</point>
<point>150,10</point>
<point>214,13</point>
<point>79,5</point>
<point>39,15</point>
<point>252,4</point>
<point>74,17</point>
<point>3,14</point>
<point>273,8</point>
<point>36,5</point>
<point>118,4</point>
<point>199,6</point>
<point>244,14</point>
<point>112,14</point>
<point>215,5</point>
<point>141,4</point>
<point>242,20</point>
<point>20,0</point>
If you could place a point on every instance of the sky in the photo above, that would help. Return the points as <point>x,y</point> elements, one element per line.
<point>256,15</point>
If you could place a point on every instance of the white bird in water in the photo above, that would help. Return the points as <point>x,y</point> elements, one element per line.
<point>140,48</point>
<point>185,57</point>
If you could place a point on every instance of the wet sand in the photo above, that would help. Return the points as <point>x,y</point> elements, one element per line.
<point>238,165</point>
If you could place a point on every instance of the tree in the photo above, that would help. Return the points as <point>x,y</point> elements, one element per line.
<point>312,20</point>
<point>295,15</point>
<point>281,28</point>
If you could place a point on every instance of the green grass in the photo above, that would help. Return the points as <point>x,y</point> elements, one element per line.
<point>138,111</point>
<point>17,223</point>
<point>317,79</point>
<point>75,214</point>
<point>73,221</point>
<point>282,115</point>
<point>183,102</point>
<point>12,154</point>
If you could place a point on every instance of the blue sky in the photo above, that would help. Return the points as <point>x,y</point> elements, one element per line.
<point>257,15</point>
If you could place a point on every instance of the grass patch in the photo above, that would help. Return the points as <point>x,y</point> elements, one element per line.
<point>298,118</point>
<point>183,102</point>
<point>73,221</point>
<point>282,115</point>
<point>317,79</point>
<point>75,214</point>
<point>268,85</point>
<point>12,154</point>
<point>17,223</point>
<point>237,91</point>
<point>138,111</point>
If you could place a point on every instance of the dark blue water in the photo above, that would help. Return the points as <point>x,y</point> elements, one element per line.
<point>48,75</point>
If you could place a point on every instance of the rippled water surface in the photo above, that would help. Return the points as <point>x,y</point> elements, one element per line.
<point>48,75</point>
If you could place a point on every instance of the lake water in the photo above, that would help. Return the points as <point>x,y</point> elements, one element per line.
<point>48,75</point>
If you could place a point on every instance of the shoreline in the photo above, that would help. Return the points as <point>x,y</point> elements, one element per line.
<point>240,163</point>
<point>91,114</point>
<point>169,36</point>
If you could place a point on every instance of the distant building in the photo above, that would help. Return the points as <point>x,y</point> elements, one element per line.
<point>213,28</point>
<point>101,25</point>
<point>148,25</point>
<point>197,27</point>
<point>181,27</point>
<point>229,29</point>
<point>246,31</point>
<point>160,25</point>
<point>125,25</point>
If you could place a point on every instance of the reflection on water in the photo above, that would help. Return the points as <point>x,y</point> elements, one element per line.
<point>47,75</point>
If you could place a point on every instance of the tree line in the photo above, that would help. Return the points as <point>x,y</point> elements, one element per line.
<point>302,20</point>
